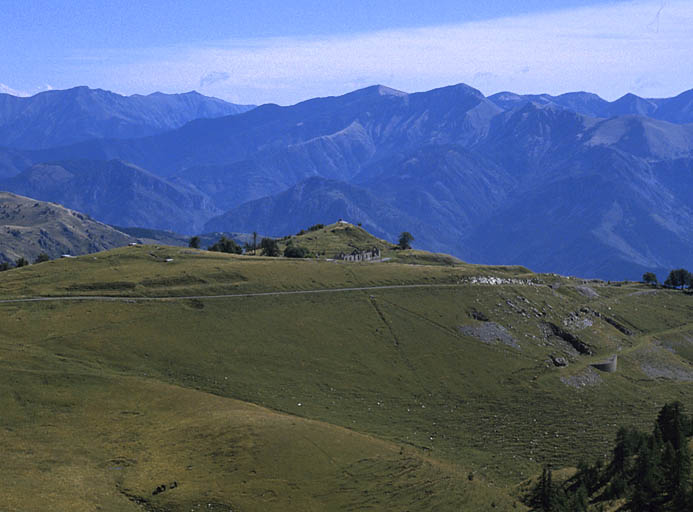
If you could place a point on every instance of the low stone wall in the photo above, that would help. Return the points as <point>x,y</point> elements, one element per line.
<point>609,366</point>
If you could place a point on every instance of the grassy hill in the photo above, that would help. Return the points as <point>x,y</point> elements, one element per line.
<point>29,227</point>
<point>273,384</point>
<point>328,241</point>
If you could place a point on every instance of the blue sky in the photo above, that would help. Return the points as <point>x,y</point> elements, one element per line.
<point>283,52</point>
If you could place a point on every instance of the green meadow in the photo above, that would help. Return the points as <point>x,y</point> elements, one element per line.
<point>256,383</point>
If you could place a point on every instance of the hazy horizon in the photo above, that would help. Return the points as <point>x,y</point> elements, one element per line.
<point>273,53</point>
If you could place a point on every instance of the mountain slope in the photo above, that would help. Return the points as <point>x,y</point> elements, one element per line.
<point>29,227</point>
<point>607,215</point>
<point>56,118</point>
<point>115,193</point>
<point>315,201</point>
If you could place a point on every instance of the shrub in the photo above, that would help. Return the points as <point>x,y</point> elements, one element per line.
<point>295,251</point>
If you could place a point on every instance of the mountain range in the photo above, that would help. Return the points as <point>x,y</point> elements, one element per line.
<point>571,184</point>
<point>56,118</point>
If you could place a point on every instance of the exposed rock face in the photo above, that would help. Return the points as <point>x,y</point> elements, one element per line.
<point>587,291</point>
<point>490,332</point>
<point>29,228</point>
<point>574,341</point>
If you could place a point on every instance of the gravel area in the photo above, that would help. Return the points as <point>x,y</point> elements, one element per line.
<point>491,333</point>
<point>588,377</point>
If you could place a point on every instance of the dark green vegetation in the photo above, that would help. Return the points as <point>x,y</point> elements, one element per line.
<point>422,387</point>
<point>224,244</point>
<point>405,240</point>
<point>269,247</point>
<point>679,278</point>
<point>645,472</point>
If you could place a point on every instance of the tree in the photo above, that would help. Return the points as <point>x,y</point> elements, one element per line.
<point>194,242</point>
<point>678,278</point>
<point>546,496</point>
<point>226,245</point>
<point>254,242</point>
<point>21,262</point>
<point>4,266</point>
<point>405,240</point>
<point>649,278</point>
<point>269,247</point>
<point>42,257</point>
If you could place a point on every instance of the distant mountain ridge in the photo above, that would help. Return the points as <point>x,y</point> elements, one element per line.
<point>116,193</point>
<point>547,182</point>
<point>61,117</point>
<point>678,109</point>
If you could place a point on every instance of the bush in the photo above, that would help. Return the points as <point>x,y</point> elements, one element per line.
<point>4,266</point>
<point>42,257</point>
<point>294,251</point>
<point>21,262</point>
<point>194,242</point>
<point>316,227</point>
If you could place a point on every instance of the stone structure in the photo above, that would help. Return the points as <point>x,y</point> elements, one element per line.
<point>360,255</point>
<point>608,366</point>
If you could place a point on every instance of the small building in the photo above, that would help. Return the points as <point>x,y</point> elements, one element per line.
<point>360,255</point>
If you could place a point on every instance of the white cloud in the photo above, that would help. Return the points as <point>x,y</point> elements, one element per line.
<point>639,47</point>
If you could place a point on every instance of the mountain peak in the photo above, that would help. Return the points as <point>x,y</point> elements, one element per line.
<point>376,90</point>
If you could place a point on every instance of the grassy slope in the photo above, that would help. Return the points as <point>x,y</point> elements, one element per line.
<point>388,363</point>
<point>29,227</point>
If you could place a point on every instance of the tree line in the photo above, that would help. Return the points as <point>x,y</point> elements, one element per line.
<point>677,278</point>
<point>649,471</point>
<point>270,246</point>
<point>23,262</point>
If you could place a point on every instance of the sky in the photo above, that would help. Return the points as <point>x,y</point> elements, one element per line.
<point>283,52</point>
